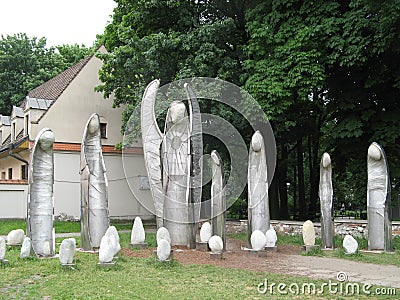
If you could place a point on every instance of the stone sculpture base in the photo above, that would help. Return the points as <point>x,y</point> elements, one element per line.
<point>138,246</point>
<point>271,249</point>
<point>4,263</point>
<point>68,266</point>
<point>308,248</point>
<point>110,264</point>
<point>202,246</point>
<point>328,249</point>
<point>216,256</point>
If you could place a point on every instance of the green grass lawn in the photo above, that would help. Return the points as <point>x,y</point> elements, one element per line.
<point>141,278</point>
<point>60,227</point>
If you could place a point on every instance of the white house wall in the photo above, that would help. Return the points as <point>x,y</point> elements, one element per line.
<point>68,115</point>
<point>13,201</point>
<point>123,203</point>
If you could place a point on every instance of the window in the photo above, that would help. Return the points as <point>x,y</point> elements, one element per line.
<point>24,174</point>
<point>3,175</point>
<point>13,131</point>
<point>9,173</point>
<point>26,129</point>
<point>103,130</point>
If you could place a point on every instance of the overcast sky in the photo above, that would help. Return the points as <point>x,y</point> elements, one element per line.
<point>60,21</point>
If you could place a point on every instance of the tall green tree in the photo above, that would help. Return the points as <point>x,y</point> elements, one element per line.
<point>26,63</point>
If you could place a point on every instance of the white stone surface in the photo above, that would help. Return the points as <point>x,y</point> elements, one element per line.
<point>15,237</point>
<point>271,237</point>
<point>2,248</point>
<point>308,233</point>
<point>67,251</point>
<point>258,240</point>
<point>350,244</point>
<point>138,234</point>
<point>26,248</point>
<point>113,235</point>
<point>106,251</point>
<point>46,248</point>
<point>163,250</point>
<point>215,243</point>
<point>205,232</point>
<point>163,233</point>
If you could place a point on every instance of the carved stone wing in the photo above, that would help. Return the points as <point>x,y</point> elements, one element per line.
<point>152,139</point>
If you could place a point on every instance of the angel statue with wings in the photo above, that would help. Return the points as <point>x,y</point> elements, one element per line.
<point>172,162</point>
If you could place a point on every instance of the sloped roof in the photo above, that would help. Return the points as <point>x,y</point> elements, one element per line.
<point>18,112</point>
<point>41,104</point>
<point>52,89</point>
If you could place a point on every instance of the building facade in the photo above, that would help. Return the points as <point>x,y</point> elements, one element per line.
<point>64,104</point>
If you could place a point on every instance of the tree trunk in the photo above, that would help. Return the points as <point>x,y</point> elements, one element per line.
<point>302,193</point>
<point>273,198</point>
<point>295,210</point>
<point>282,173</point>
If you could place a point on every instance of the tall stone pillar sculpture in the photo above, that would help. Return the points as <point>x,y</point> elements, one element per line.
<point>326,200</point>
<point>40,218</point>
<point>174,172</point>
<point>378,200</point>
<point>176,168</point>
<point>218,201</point>
<point>94,195</point>
<point>258,204</point>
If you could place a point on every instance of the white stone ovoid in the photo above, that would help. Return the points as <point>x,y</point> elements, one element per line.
<point>67,251</point>
<point>15,237</point>
<point>215,243</point>
<point>2,248</point>
<point>258,240</point>
<point>205,232</point>
<point>138,235</point>
<point>350,244</point>
<point>271,237</point>
<point>163,250</point>
<point>163,233</point>
<point>112,233</point>
<point>26,248</point>
<point>106,251</point>
<point>308,233</point>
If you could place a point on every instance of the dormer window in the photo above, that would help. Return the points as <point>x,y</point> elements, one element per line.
<point>13,131</point>
<point>26,127</point>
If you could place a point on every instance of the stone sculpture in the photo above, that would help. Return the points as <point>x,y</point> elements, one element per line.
<point>258,205</point>
<point>113,235</point>
<point>2,248</point>
<point>350,244</point>
<point>216,244</point>
<point>26,248</point>
<point>258,240</point>
<point>15,237</point>
<point>326,200</point>
<point>138,234</point>
<point>176,208</point>
<point>94,197</point>
<point>271,237</point>
<point>308,233</point>
<point>378,200</point>
<point>107,250</point>
<point>40,219</point>
<point>218,201</point>
<point>163,234</point>
<point>163,250</point>
<point>67,251</point>
<point>205,232</point>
